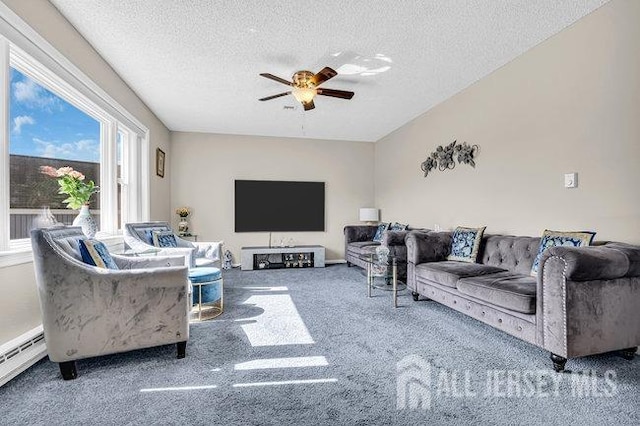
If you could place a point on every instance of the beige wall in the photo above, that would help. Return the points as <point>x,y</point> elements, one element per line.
<point>571,104</point>
<point>19,311</point>
<point>205,166</point>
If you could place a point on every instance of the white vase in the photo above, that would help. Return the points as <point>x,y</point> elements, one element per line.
<point>183,226</point>
<point>86,222</point>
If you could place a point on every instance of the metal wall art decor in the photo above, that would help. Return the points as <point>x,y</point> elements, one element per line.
<point>443,158</point>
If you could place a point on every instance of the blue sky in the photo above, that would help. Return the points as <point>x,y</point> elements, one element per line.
<point>45,125</point>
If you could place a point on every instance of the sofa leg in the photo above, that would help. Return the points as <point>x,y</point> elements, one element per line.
<point>558,362</point>
<point>68,370</point>
<point>182,349</point>
<point>629,353</point>
<point>349,264</point>
<point>415,295</point>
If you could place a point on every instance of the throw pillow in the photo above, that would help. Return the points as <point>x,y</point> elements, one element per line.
<point>148,236</point>
<point>558,238</point>
<point>95,253</point>
<point>164,239</point>
<point>381,228</point>
<point>395,226</point>
<point>465,244</point>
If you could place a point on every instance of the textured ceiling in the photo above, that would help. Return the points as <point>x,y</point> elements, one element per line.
<point>196,63</point>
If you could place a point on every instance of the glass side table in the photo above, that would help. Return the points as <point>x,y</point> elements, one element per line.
<point>381,265</point>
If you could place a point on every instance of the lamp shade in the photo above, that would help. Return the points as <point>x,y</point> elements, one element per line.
<point>368,214</point>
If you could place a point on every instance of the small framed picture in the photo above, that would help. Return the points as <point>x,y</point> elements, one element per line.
<point>160,162</point>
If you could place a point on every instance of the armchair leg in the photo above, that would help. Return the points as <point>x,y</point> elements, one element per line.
<point>558,362</point>
<point>68,370</point>
<point>415,295</point>
<point>629,353</point>
<point>349,264</point>
<point>182,349</point>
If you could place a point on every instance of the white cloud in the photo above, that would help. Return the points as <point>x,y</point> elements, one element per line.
<point>20,121</point>
<point>30,93</point>
<point>83,150</point>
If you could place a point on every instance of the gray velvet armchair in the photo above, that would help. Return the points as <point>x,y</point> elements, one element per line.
<point>89,311</point>
<point>136,236</point>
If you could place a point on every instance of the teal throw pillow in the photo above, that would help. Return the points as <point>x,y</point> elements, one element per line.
<point>558,238</point>
<point>95,253</point>
<point>164,239</point>
<point>395,226</point>
<point>380,231</point>
<point>465,244</point>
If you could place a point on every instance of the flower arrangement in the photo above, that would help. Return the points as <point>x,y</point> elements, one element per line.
<point>72,183</point>
<point>183,211</point>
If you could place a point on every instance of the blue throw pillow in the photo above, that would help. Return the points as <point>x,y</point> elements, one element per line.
<point>164,239</point>
<point>148,236</point>
<point>395,226</point>
<point>465,244</point>
<point>556,239</point>
<point>95,253</point>
<point>380,231</point>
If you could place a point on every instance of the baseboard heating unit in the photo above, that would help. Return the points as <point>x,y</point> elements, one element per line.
<point>21,353</point>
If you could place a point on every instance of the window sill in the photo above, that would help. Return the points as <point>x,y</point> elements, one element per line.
<point>21,252</point>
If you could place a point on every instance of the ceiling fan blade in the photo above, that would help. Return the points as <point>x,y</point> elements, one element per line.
<point>323,75</point>
<point>268,98</point>
<point>335,93</point>
<point>308,105</point>
<point>276,78</point>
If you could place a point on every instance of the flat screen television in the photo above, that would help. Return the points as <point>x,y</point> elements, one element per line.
<point>278,206</point>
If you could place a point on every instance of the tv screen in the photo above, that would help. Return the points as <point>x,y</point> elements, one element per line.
<point>278,206</point>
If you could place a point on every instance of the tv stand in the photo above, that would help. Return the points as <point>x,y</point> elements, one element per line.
<point>281,257</point>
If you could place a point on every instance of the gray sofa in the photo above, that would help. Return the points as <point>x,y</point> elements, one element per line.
<point>358,242</point>
<point>584,301</point>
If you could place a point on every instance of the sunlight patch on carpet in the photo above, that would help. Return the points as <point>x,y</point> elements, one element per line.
<point>285,382</point>
<point>279,324</point>
<point>292,362</point>
<point>180,388</point>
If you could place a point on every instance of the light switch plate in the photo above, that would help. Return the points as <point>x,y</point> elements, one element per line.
<point>570,180</point>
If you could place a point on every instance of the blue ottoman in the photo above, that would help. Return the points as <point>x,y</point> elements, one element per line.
<point>208,292</point>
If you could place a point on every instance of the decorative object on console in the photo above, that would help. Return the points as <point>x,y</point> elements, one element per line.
<point>559,238</point>
<point>380,231</point>
<point>369,215</point>
<point>183,224</point>
<point>443,157</point>
<point>465,244</point>
<point>228,260</point>
<point>72,183</point>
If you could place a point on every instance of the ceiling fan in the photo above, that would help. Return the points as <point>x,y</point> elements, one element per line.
<point>305,87</point>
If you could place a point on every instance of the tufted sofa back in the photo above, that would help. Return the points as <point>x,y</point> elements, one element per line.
<point>509,252</point>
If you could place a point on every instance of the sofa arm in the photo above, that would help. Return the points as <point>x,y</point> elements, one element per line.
<point>587,300</point>
<point>353,233</point>
<point>427,247</point>
<point>394,238</point>
<point>611,261</point>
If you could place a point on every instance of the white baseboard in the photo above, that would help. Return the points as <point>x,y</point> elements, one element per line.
<point>334,262</point>
<point>21,353</point>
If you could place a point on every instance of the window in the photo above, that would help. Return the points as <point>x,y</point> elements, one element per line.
<point>46,130</point>
<point>53,115</point>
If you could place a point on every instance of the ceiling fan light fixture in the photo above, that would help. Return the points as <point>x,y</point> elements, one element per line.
<point>303,94</point>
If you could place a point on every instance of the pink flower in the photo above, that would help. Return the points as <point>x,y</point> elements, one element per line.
<point>49,171</point>
<point>64,171</point>
<point>76,175</point>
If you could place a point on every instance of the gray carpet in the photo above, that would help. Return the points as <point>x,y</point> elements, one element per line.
<point>317,317</point>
